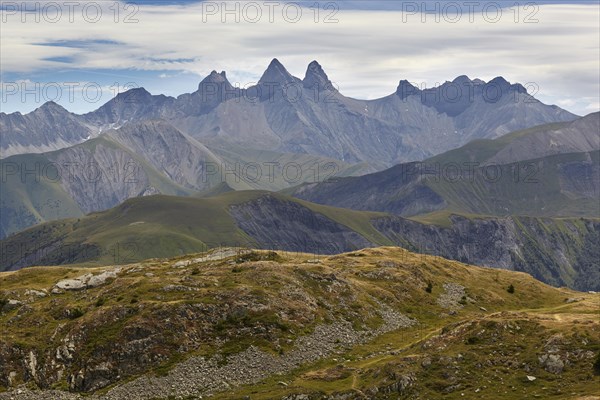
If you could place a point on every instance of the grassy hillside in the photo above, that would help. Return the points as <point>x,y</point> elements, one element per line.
<point>29,199</point>
<point>536,188</point>
<point>481,150</point>
<point>562,185</point>
<point>378,323</point>
<point>157,226</point>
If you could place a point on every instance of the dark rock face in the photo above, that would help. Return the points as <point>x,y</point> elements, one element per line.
<point>316,78</point>
<point>276,224</point>
<point>536,246</point>
<point>547,249</point>
<point>406,89</point>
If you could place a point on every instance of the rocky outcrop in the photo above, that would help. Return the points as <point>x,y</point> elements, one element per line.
<point>116,341</point>
<point>199,376</point>
<point>552,363</point>
<point>454,296</point>
<point>86,281</point>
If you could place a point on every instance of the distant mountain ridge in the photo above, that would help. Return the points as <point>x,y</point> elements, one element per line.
<point>152,157</point>
<point>549,170</point>
<point>307,116</point>
<point>49,127</point>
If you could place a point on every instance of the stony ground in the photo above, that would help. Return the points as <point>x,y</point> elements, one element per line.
<point>232,324</point>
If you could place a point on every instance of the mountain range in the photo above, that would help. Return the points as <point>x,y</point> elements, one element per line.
<point>286,114</point>
<point>128,245</point>
<point>548,170</point>
<point>141,158</point>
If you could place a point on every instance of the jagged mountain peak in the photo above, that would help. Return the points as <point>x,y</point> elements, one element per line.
<point>518,87</point>
<point>462,79</point>
<point>51,106</point>
<point>505,85</point>
<point>275,63</point>
<point>215,77</point>
<point>499,80</point>
<point>405,89</point>
<point>316,77</point>
<point>134,94</point>
<point>276,73</point>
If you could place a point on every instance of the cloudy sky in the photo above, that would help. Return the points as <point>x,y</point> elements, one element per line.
<point>82,53</point>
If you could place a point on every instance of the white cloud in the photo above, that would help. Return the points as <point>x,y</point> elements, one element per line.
<point>366,53</point>
<point>593,107</point>
<point>566,102</point>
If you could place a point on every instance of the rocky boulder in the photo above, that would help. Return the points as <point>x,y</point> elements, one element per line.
<point>86,281</point>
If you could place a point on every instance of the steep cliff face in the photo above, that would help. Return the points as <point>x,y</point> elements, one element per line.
<point>297,227</point>
<point>559,252</point>
<point>555,251</point>
<point>179,158</point>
